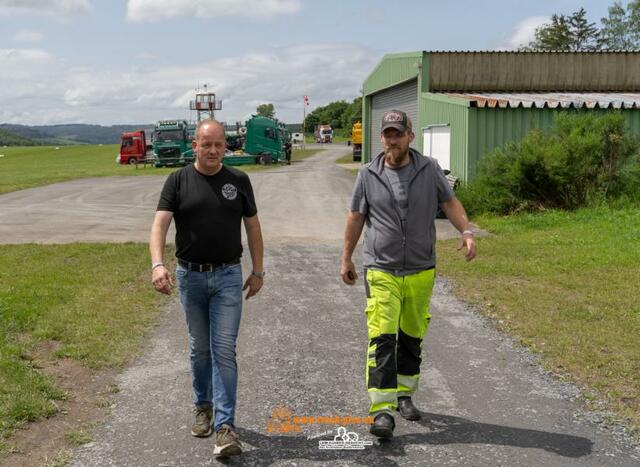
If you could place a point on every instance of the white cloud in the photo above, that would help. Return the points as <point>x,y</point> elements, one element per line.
<point>29,85</point>
<point>18,58</point>
<point>24,74</point>
<point>151,10</point>
<point>523,33</point>
<point>49,7</point>
<point>324,72</point>
<point>28,36</point>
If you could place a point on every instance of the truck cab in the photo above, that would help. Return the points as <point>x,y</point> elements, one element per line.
<point>266,138</point>
<point>356,141</point>
<point>324,134</point>
<point>172,144</point>
<point>133,147</point>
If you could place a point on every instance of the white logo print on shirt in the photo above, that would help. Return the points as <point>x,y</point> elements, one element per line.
<point>229,191</point>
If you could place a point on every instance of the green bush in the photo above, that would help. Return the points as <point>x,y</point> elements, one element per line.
<point>584,160</point>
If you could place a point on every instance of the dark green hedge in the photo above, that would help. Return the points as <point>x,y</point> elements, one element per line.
<point>585,159</point>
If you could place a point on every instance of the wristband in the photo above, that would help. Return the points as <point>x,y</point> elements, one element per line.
<point>467,232</point>
<point>155,265</point>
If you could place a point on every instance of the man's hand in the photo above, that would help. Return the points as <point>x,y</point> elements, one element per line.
<point>348,272</point>
<point>469,242</point>
<point>162,280</point>
<point>254,284</point>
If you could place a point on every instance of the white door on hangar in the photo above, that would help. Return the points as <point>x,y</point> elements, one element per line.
<point>437,144</point>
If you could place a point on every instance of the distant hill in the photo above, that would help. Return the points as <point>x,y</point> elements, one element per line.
<point>8,138</point>
<point>79,133</point>
<point>75,133</point>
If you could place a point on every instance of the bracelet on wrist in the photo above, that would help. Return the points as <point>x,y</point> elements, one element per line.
<point>156,265</point>
<point>467,232</point>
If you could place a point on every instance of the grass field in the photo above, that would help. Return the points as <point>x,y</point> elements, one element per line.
<point>27,167</point>
<point>566,285</point>
<point>94,305</point>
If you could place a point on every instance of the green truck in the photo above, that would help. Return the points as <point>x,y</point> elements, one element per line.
<point>266,141</point>
<point>172,143</point>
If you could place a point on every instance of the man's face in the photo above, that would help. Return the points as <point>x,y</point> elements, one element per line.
<point>209,147</point>
<point>396,144</point>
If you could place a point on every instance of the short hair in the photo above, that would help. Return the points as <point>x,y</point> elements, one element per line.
<point>409,124</point>
<point>207,121</point>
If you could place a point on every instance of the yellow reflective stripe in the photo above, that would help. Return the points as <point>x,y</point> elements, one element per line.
<point>382,400</point>
<point>407,384</point>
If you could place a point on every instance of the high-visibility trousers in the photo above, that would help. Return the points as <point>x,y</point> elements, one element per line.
<point>397,320</point>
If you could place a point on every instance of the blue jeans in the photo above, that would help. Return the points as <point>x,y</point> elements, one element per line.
<point>212,303</point>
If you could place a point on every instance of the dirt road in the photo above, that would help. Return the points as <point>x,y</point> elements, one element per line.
<point>302,348</point>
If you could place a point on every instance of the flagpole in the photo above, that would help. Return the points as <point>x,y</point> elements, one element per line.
<point>304,119</point>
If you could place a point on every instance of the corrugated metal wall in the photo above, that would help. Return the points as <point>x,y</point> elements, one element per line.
<point>433,112</point>
<point>633,119</point>
<point>492,128</point>
<point>401,97</point>
<point>478,131</point>
<point>533,71</point>
<point>393,69</point>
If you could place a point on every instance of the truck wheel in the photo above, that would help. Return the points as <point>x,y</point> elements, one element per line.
<point>133,161</point>
<point>265,159</point>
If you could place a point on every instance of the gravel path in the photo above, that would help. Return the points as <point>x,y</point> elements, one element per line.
<point>485,401</point>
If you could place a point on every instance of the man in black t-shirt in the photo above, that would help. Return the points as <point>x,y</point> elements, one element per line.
<point>208,201</point>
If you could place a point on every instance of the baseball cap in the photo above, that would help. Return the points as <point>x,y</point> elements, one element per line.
<point>395,119</point>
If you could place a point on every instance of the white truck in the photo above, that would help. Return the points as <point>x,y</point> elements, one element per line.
<point>324,134</point>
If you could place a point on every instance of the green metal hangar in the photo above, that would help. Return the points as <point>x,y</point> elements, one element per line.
<point>464,104</point>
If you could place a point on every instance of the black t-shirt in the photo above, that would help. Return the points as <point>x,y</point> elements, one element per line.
<point>208,210</point>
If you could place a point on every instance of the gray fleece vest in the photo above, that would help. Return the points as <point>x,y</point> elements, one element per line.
<point>387,246</point>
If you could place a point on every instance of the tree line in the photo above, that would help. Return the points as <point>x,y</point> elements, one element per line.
<point>620,30</point>
<point>341,115</point>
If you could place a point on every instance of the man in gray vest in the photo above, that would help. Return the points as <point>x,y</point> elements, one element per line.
<point>396,196</point>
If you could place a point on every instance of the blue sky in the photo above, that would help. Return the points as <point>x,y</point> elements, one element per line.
<point>138,61</point>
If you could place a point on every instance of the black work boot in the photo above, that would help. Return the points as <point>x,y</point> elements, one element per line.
<point>383,426</point>
<point>407,409</point>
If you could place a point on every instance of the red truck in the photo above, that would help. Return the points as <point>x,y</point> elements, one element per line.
<point>134,148</point>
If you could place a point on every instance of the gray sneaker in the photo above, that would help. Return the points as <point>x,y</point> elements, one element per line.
<point>227,442</point>
<point>202,426</point>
